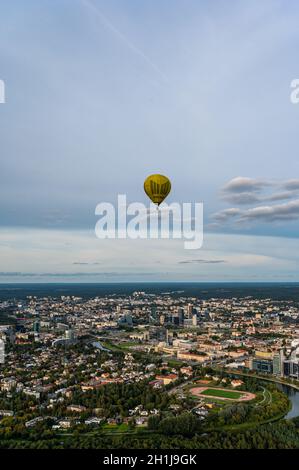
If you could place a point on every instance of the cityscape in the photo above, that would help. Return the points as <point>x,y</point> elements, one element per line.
<point>141,366</point>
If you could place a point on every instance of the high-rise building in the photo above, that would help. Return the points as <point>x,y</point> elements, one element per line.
<point>278,359</point>
<point>69,335</point>
<point>189,310</point>
<point>207,315</point>
<point>153,315</point>
<point>146,336</point>
<point>291,369</point>
<point>154,312</point>
<point>169,337</point>
<point>8,333</point>
<point>36,326</point>
<point>180,312</point>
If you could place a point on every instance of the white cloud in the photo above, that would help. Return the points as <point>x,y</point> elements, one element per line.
<point>243,184</point>
<point>292,184</point>
<point>227,214</point>
<point>251,192</point>
<point>286,212</point>
<point>279,212</point>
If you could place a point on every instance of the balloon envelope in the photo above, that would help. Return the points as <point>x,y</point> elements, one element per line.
<point>157,187</point>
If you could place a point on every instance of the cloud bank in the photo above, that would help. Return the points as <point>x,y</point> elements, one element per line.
<point>253,192</point>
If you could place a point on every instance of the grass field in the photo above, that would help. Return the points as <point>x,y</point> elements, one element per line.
<point>128,345</point>
<point>120,346</point>
<point>116,427</point>
<point>214,392</point>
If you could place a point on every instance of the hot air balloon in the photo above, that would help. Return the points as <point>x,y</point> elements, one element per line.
<point>157,188</point>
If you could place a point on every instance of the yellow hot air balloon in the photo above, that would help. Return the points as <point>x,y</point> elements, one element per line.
<point>157,187</point>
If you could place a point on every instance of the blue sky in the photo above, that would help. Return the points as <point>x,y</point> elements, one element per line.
<point>101,94</point>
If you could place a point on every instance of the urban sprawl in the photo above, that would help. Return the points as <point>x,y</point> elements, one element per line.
<point>59,355</point>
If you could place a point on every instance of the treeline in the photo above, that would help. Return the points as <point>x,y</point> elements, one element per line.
<point>186,425</point>
<point>280,435</point>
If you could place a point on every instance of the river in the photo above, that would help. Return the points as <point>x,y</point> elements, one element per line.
<point>98,345</point>
<point>293,395</point>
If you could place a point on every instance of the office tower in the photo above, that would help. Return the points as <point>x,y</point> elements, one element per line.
<point>181,316</point>
<point>69,335</point>
<point>207,315</point>
<point>291,368</point>
<point>278,359</point>
<point>154,312</point>
<point>153,315</point>
<point>146,336</point>
<point>169,337</point>
<point>194,319</point>
<point>276,364</point>
<point>189,311</point>
<point>36,326</point>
